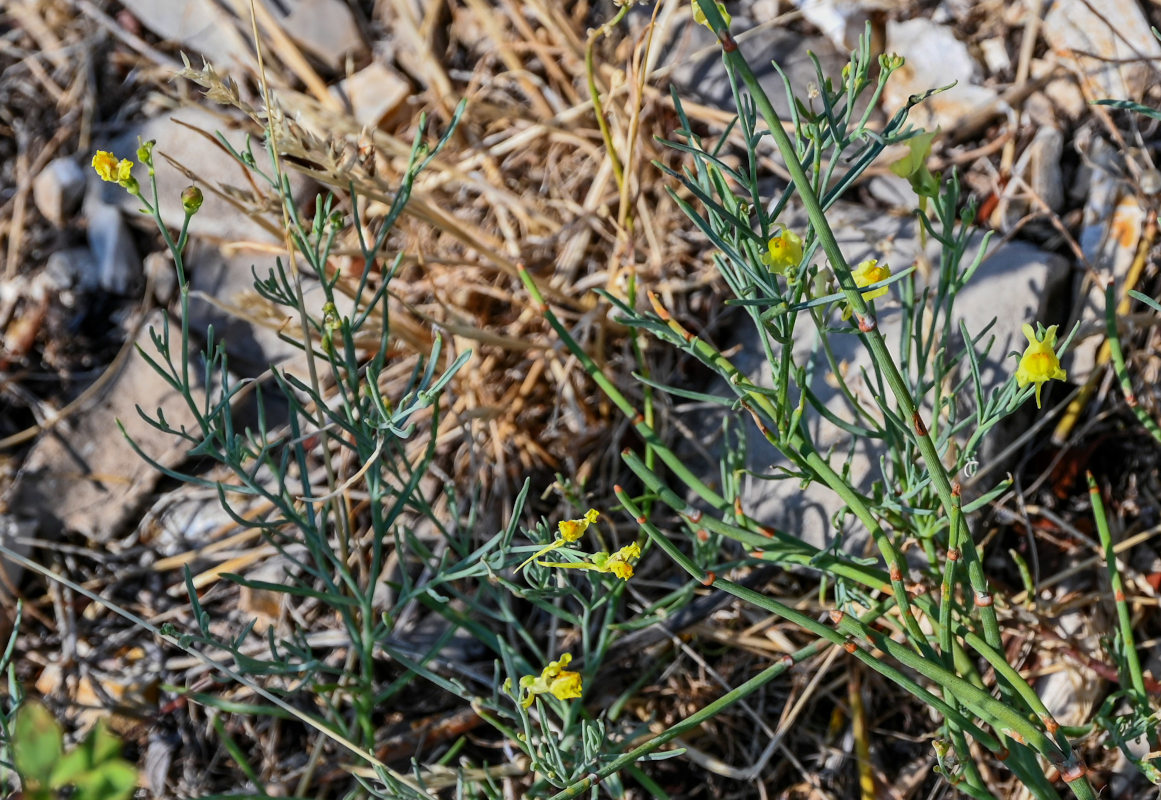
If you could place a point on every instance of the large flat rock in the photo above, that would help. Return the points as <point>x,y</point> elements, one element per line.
<point>82,475</point>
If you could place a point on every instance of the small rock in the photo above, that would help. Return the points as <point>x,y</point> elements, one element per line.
<point>1038,170</point>
<point>199,26</point>
<point>160,271</point>
<point>73,267</point>
<point>374,93</point>
<point>705,78</point>
<point>935,58</point>
<point>115,256</point>
<point>995,53</point>
<point>1109,44</point>
<point>840,21</point>
<point>1063,91</point>
<point>58,189</point>
<point>324,27</point>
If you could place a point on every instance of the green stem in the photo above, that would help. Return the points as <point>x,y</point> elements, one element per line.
<point>1132,663</point>
<point>930,669</point>
<point>595,95</point>
<point>1118,356</point>
<point>646,432</point>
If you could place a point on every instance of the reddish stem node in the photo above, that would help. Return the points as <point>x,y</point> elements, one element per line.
<point>1074,770</point>
<point>917,421</point>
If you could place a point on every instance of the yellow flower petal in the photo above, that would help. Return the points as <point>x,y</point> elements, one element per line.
<point>869,272</point>
<point>573,529</point>
<point>783,252</point>
<point>1039,363</point>
<point>566,686</point>
<point>554,679</point>
<point>866,273</point>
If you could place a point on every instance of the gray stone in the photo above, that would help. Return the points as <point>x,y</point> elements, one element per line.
<point>935,58</point>
<point>374,94</point>
<point>223,296</point>
<point>82,475</point>
<point>325,28</point>
<point>73,267</point>
<point>1010,287</point>
<point>117,264</point>
<point>200,27</point>
<point>162,275</point>
<point>1110,44</point>
<point>58,189</point>
<point>704,78</point>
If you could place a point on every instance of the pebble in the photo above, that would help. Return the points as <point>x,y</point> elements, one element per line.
<point>58,189</point>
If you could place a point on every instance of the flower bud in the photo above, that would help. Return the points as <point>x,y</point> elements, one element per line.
<point>145,152</point>
<point>191,200</point>
<point>891,61</point>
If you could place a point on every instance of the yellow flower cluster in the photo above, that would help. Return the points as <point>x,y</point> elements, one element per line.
<point>1039,364</point>
<point>113,171</point>
<point>554,680</point>
<point>568,531</point>
<point>619,563</point>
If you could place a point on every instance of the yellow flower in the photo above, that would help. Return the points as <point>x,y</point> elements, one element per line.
<point>570,530</point>
<point>1039,363</point>
<point>783,252</point>
<point>553,679</point>
<point>110,169</point>
<point>867,273</point>
<point>699,15</point>
<point>617,563</point>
